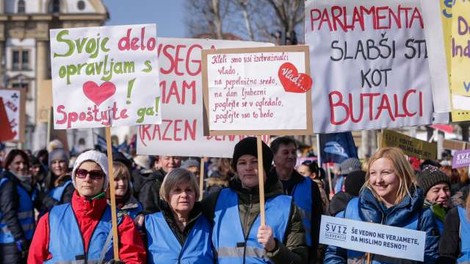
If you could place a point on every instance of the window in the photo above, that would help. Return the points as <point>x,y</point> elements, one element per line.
<point>21,6</point>
<point>20,60</point>
<point>55,6</point>
<point>81,5</point>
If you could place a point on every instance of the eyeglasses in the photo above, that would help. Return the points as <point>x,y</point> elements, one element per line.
<point>94,174</point>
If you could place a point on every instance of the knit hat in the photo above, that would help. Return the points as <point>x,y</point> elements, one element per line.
<point>95,156</point>
<point>54,144</point>
<point>190,163</point>
<point>58,154</point>
<point>350,165</point>
<point>354,182</point>
<point>247,146</point>
<point>431,176</point>
<point>142,161</point>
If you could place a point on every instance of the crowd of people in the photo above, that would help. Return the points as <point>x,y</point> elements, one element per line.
<point>55,208</point>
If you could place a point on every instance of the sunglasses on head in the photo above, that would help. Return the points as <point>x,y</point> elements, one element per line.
<point>94,174</point>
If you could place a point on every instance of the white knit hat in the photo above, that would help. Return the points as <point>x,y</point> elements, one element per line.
<point>95,156</point>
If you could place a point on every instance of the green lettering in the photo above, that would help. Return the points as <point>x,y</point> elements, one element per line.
<point>68,42</point>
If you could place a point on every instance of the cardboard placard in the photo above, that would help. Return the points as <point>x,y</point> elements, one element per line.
<point>410,146</point>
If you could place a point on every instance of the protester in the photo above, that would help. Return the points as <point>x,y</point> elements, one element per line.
<point>78,231</point>
<point>192,165</point>
<point>347,166</point>
<point>390,198</point>
<point>179,233</point>
<point>454,245</point>
<point>150,188</point>
<point>352,187</point>
<point>281,240</point>
<point>305,193</point>
<point>220,177</point>
<point>125,201</point>
<point>38,173</point>
<point>310,169</point>
<point>436,189</point>
<point>58,183</point>
<point>16,208</point>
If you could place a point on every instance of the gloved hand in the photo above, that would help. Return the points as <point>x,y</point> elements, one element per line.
<point>23,247</point>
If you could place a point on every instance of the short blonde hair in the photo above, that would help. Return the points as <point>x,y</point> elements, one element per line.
<point>175,177</point>
<point>402,168</point>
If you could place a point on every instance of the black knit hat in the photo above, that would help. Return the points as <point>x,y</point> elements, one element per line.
<point>431,176</point>
<point>354,182</point>
<point>248,146</point>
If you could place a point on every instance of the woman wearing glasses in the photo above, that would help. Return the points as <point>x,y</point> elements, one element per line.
<point>79,230</point>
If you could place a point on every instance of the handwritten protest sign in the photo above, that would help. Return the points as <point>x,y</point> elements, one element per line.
<point>461,159</point>
<point>460,60</point>
<point>259,90</point>
<point>410,146</point>
<point>14,105</point>
<point>105,76</point>
<point>181,132</point>
<point>369,61</point>
<point>373,238</point>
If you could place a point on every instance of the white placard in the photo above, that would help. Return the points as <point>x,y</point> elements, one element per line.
<point>373,238</point>
<point>105,76</point>
<point>181,132</point>
<point>368,64</point>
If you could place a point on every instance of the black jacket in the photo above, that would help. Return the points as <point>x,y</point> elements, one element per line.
<point>148,190</point>
<point>449,244</point>
<point>339,202</point>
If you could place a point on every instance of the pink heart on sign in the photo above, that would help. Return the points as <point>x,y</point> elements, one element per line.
<point>98,94</point>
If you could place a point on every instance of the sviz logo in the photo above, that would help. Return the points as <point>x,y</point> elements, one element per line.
<point>335,231</point>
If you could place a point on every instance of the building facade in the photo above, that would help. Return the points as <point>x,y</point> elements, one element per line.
<point>25,54</point>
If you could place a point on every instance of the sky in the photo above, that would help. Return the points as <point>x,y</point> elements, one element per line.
<point>167,14</point>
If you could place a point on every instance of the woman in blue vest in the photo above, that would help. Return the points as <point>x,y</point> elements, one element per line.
<point>57,187</point>
<point>454,245</point>
<point>237,235</point>
<point>81,231</point>
<point>389,197</point>
<point>16,208</point>
<point>179,233</point>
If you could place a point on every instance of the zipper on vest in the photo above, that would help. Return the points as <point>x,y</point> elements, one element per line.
<point>249,228</point>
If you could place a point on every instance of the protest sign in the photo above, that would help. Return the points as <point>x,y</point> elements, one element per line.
<point>410,146</point>
<point>14,106</point>
<point>257,91</point>
<point>460,60</point>
<point>44,102</point>
<point>454,144</point>
<point>6,134</point>
<point>181,132</point>
<point>461,159</point>
<point>105,76</point>
<point>369,64</point>
<point>373,238</point>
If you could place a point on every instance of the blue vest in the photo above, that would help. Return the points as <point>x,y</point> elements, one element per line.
<point>66,242</point>
<point>228,237</point>
<point>25,214</point>
<point>58,191</point>
<point>133,212</point>
<point>164,247</point>
<point>302,194</point>
<point>352,212</point>
<point>464,236</point>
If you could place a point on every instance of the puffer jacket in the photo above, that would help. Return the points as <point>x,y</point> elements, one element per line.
<point>371,210</point>
<point>148,189</point>
<point>293,248</point>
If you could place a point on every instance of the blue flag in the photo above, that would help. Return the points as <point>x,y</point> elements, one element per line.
<point>336,147</point>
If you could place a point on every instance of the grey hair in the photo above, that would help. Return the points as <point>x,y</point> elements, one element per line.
<point>175,177</point>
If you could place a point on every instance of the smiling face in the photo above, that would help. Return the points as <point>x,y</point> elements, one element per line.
<point>247,170</point>
<point>86,185</point>
<point>384,181</point>
<point>168,163</point>
<point>19,166</point>
<point>59,167</point>
<point>182,198</point>
<point>439,194</point>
